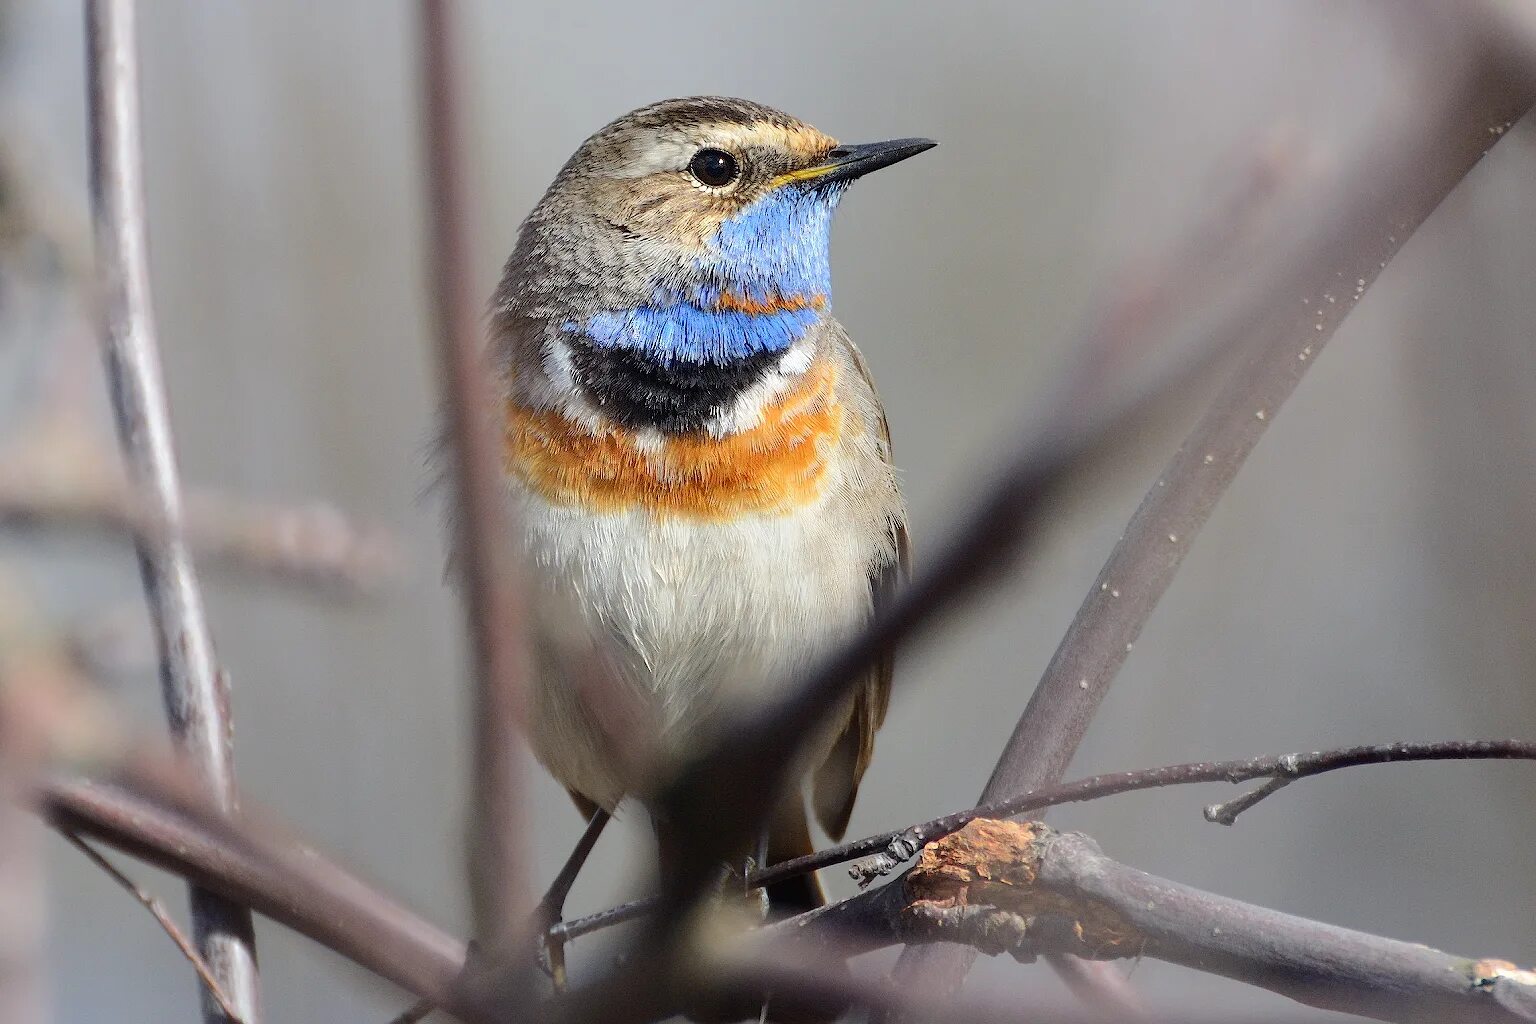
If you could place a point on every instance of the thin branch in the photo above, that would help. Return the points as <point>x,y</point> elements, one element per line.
<point>891,849</point>
<point>1379,204</point>
<point>312,545</point>
<point>196,692</point>
<point>148,815</point>
<point>565,931</point>
<point>1407,183</point>
<point>491,583</point>
<point>162,918</point>
<point>1226,813</point>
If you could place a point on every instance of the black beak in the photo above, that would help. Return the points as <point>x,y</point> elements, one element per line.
<point>846,163</point>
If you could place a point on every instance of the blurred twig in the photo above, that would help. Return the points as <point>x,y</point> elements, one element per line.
<point>196,691</point>
<point>57,480</point>
<point>491,583</point>
<point>162,918</point>
<point>56,475</point>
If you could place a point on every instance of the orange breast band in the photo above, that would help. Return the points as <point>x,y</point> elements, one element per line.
<point>771,304</point>
<point>776,467</point>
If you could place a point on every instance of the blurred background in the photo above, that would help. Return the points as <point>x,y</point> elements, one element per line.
<point>1371,576</point>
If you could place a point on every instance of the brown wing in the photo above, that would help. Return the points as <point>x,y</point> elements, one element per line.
<point>836,783</point>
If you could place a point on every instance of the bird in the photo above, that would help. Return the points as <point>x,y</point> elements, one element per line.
<point>698,460</point>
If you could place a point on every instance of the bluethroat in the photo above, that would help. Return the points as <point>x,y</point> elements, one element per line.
<point>701,463</point>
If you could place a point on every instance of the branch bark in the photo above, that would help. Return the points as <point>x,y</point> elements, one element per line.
<point>196,691</point>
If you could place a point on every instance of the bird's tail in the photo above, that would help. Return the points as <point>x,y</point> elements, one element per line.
<point>789,836</point>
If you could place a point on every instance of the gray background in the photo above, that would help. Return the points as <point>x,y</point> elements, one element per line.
<point>1369,577</point>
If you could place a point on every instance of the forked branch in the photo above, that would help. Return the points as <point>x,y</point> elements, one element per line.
<point>1026,890</point>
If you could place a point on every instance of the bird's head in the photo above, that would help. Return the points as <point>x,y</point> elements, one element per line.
<point>692,231</point>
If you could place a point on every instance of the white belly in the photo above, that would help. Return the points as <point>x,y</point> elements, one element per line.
<point>704,615</point>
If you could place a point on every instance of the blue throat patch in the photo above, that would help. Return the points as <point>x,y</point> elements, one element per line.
<point>774,253</point>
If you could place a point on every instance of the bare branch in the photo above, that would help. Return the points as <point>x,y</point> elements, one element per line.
<point>1226,813</point>
<point>1281,769</point>
<point>151,817</point>
<point>162,918</point>
<point>1028,891</point>
<point>891,849</point>
<point>1373,210</point>
<point>1064,891</point>
<point>492,584</point>
<point>313,545</point>
<point>196,691</point>
<point>146,814</point>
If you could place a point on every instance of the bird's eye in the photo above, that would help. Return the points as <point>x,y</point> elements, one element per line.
<point>714,167</point>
